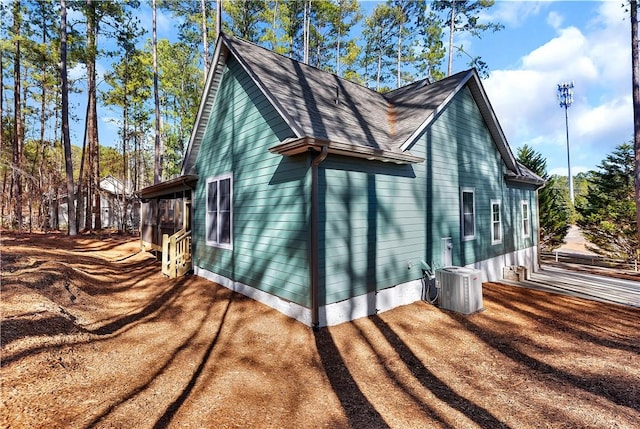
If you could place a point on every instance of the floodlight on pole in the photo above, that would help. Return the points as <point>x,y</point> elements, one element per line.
<point>565,97</point>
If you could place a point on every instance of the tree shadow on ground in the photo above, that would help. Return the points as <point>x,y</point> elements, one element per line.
<point>118,325</point>
<point>173,408</point>
<point>608,387</point>
<point>431,382</point>
<point>359,411</point>
<point>188,343</point>
<point>566,317</point>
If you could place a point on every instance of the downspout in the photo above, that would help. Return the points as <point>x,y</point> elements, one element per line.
<point>315,217</point>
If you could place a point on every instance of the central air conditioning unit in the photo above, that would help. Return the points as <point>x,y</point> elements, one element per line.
<point>460,289</point>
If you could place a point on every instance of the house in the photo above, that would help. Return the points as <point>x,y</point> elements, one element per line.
<point>113,206</point>
<point>324,199</point>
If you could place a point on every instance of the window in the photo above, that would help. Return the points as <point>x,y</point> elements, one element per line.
<point>219,211</point>
<point>468,214</point>
<point>526,226</point>
<point>496,222</point>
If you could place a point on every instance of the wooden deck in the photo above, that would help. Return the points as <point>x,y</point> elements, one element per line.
<point>583,285</point>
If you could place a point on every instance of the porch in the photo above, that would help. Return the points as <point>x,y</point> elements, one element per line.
<point>165,227</point>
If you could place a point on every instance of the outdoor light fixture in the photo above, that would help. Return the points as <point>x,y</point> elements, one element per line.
<point>565,97</point>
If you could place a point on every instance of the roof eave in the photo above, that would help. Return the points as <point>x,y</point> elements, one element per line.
<point>291,147</point>
<point>178,184</point>
<point>537,182</point>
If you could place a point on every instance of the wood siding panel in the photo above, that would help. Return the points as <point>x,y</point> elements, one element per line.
<point>270,213</point>
<point>378,221</point>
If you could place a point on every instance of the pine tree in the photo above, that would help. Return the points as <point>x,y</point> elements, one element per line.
<point>72,225</point>
<point>245,17</point>
<point>180,89</point>
<point>608,212</point>
<point>378,53</point>
<point>554,211</point>
<point>464,16</point>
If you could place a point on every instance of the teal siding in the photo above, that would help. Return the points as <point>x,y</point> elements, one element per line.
<point>380,220</point>
<point>270,210</point>
<point>372,223</point>
<point>377,220</point>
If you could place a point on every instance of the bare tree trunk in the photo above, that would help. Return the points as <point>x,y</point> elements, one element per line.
<point>305,32</point>
<point>635,73</point>
<point>43,117</point>
<point>17,126</point>
<point>379,73</point>
<point>4,195</point>
<point>205,42</point>
<point>4,179</point>
<point>219,18</point>
<point>157,168</point>
<point>81,176</point>
<point>452,28</point>
<point>399,54</point>
<point>93,174</point>
<point>72,227</point>
<point>125,138</point>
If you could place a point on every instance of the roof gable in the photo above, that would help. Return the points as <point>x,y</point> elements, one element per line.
<point>323,109</point>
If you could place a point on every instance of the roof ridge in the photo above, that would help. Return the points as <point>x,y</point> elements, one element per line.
<point>303,64</point>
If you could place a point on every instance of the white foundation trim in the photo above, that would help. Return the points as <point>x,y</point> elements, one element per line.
<point>492,268</point>
<point>372,302</point>
<point>331,314</point>
<point>288,308</point>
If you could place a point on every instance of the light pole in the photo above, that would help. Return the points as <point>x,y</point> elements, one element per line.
<point>565,97</point>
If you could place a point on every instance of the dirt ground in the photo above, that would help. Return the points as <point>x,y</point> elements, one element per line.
<point>93,336</point>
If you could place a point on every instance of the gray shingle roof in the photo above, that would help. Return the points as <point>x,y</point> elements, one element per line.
<point>324,109</point>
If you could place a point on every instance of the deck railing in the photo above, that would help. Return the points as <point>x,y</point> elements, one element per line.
<point>176,253</point>
<point>593,260</point>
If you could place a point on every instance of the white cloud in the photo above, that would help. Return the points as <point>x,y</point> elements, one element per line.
<point>555,20</point>
<point>513,13</point>
<point>111,121</point>
<point>597,58</point>
<point>165,22</point>
<point>593,122</point>
<point>564,52</point>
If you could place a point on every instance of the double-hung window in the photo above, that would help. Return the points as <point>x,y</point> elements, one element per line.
<point>526,224</point>
<point>496,222</point>
<point>219,216</point>
<point>468,207</point>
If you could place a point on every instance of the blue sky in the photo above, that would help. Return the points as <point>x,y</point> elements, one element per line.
<point>546,43</point>
<point>543,43</point>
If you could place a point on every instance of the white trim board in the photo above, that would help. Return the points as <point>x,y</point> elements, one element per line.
<point>372,302</point>
<point>331,314</point>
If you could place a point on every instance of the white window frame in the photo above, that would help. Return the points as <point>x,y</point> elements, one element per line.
<point>208,216</point>
<point>471,191</point>
<point>495,240</point>
<point>525,212</point>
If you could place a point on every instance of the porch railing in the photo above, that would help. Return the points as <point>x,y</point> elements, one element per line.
<point>176,253</point>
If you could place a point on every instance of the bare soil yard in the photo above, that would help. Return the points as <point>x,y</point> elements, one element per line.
<point>94,336</point>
